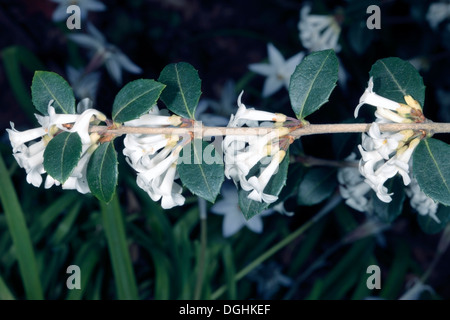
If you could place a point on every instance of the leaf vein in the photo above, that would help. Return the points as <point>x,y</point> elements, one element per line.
<point>182,93</point>
<point>393,78</point>
<point>132,100</point>
<point>311,85</point>
<point>203,173</point>
<point>51,93</point>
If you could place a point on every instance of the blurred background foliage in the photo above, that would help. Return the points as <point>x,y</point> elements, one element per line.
<point>131,248</point>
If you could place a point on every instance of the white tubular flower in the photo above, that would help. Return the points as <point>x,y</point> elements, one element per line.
<point>168,190</point>
<point>419,201</point>
<point>385,143</point>
<point>318,32</point>
<point>19,138</point>
<point>257,185</point>
<point>78,177</point>
<point>370,97</point>
<point>32,160</point>
<point>398,164</point>
<point>56,121</point>
<point>246,157</point>
<point>31,157</point>
<point>388,116</point>
<point>438,12</point>
<point>157,177</point>
<point>139,146</point>
<point>110,55</point>
<point>160,167</point>
<point>353,188</point>
<point>250,116</point>
<point>81,125</point>
<point>278,71</point>
<point>385,154</point>
<point>61,14</point>
<point>242,153</point>
<point>154,158</point>
<point>154,120</point>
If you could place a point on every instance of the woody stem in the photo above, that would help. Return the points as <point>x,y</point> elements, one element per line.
<point>309,129</point>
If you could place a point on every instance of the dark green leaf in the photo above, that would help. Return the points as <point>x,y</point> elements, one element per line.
<point>102,172</point>
<point>429,225</point>
<point>201,171</point>
<point>388,212</point>
<point>183,89</point>
<point>431,167</point>
<point>136,99</point>
<point>62,154</point>
<point>317,184</point>
<point>251,208</point>
<point>312,82</point>
<point>394,78</point>
<point>48,86</point>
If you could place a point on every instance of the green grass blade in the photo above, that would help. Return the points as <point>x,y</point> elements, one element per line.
<point>20,236</point>
<point>47,217</point>
<point>66,225</point>
<point>13,58</point>
<point>5,293</point>
<point>392,287</point>
<point>87,258</point>
<point>118,249</point>
<point>230,272</point>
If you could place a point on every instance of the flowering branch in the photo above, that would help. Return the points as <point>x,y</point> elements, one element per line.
<point>308,129</point>
<point>76,145</point>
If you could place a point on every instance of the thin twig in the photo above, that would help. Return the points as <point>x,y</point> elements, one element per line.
<point>313,161</point>
<point>310,129</point>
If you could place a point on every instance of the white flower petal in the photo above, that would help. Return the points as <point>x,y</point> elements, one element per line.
<point>60,13</point>
<point>276,59</point>
<point>126,63</point>
<point>272,85</point>
<point>262,68</point>
<point>114,70</point>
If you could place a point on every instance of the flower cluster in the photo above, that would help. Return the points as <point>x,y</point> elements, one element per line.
<point>104,53</point>
<point>353,188</point>
<point>423,204</point>
<point>278,71</point>
<point>318,32</point>
<point>29,153</point>
<point>84,85</point>
<point>242,153</point>
<point>154,157</point>
<point>384,154</point>
<point>438,12</point>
